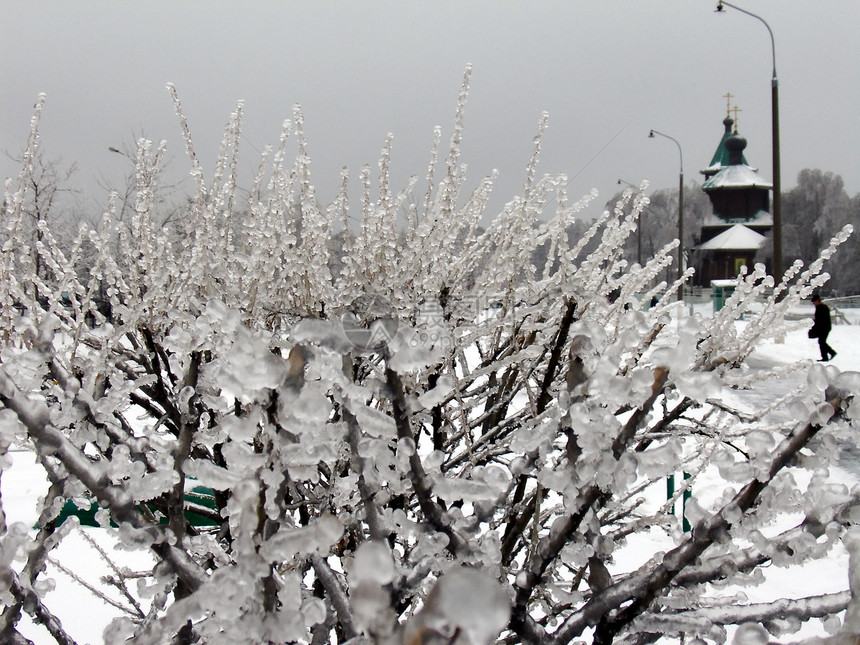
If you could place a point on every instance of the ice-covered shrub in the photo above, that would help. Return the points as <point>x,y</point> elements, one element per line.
<point>409,433</point>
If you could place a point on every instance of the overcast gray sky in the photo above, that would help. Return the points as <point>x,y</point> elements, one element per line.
<point>606,71</point>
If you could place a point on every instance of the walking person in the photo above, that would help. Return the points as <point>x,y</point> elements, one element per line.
<point>821,328</point>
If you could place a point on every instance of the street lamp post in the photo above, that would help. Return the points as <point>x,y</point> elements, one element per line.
<point>774,106</point>
<point>680,211</point>
<point>638,226</point>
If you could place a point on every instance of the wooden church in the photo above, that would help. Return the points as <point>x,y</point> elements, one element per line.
<point>732,236</point>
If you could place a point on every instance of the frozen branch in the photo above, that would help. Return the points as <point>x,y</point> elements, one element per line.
<point>41,614</point>
<point>800,608</point>
<point>635,595</point>
<point>420,481</point>
<point>35,416</point>
<point>336,593</point>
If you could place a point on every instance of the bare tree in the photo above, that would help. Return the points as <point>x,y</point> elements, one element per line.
<point>47,193</point>
<point>814,210</point>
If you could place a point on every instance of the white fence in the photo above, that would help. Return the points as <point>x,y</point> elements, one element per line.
<point>844,309</point>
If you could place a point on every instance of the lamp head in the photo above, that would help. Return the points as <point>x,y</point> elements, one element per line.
<point>651,134</point>
<point>719,8</point>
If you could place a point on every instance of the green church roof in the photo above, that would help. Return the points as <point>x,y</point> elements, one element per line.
<point>721,157</point>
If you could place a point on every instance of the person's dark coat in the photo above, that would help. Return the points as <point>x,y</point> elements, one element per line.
<point>821,329</point>
<point>821,325</point>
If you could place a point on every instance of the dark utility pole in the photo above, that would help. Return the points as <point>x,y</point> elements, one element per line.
<point>777,184</point>
<point>680,211</point>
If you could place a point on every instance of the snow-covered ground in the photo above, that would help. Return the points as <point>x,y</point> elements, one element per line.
<point>84,615</point>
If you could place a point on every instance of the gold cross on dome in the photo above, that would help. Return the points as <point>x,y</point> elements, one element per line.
<point>728,96</point>
<point>736,109</point>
